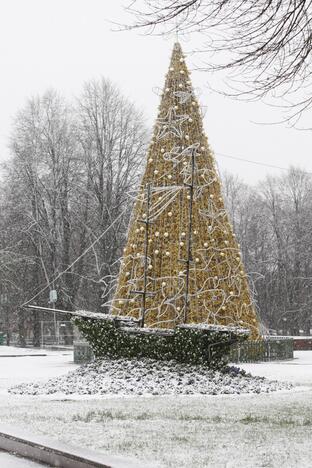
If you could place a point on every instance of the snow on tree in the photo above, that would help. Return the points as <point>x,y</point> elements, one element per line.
<point>182,263</point>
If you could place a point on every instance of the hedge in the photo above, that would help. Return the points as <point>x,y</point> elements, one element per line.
<point>116,337</point>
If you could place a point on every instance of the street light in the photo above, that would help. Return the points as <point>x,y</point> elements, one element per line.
<point>4,301</point>
<point>52,300</point>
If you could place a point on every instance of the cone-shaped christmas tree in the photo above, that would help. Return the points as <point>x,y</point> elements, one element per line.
<point>182,263</point>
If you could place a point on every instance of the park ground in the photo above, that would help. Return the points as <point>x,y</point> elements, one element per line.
<point>266,430</point>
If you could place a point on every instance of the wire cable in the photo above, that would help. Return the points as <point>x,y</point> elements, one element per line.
<point>258,163</point>
<point>76,260</point>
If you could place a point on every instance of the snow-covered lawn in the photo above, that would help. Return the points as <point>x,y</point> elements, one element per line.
<point>265,430</point>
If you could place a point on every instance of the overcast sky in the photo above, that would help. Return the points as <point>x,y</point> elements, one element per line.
<point>62,43</point>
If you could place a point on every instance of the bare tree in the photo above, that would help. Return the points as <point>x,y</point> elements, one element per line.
<point>113,140</point>
<point>44,161</point>
<point>268,42</point>
<point>273,223</point>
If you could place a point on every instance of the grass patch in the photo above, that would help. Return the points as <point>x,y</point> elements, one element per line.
<point>281,422</point>
<point>197,417</point>
<point>104,415</point>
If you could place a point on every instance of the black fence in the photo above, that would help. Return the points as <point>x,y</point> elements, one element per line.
<point>268,349</point>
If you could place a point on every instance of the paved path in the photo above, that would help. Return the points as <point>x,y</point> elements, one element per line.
<point>7,460</point>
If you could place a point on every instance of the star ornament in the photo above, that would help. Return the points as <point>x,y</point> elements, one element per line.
<point>171,124</point>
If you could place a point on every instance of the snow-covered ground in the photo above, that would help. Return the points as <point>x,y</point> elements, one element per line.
<point>265,430</point>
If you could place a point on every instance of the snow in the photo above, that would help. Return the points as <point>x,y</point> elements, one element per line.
<point>298,371</point>
<point>40,447</point>
<point>7,460</point>
<point>23,368</point>
<point>217,328</point>
<point>198,431</point>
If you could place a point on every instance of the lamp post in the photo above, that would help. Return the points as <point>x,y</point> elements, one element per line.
<point>285,325</point>
<point>4,302</point>
<point>52,300</point>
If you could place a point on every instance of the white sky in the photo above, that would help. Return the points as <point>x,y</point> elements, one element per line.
<point>62,43</point>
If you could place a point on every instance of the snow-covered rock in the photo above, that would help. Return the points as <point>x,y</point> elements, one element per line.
<point>150,377</point>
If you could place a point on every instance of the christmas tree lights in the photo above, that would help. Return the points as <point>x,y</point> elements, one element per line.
<point>181,262</point>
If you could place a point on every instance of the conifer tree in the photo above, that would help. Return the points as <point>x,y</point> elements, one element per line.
<point>182,263</point>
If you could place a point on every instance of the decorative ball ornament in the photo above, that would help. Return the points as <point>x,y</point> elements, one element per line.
<point>193,103</point>
<point>183,234</point>
<point>188,82</point>
<point>162,150</point>
<point>167,90</point>
<point>197,260</point>
<point>170,214</point>
<point>150,267</point>
<point>169,176</point>
<point>190,120</point>
<point>141,228</point>
<point>182,72</point>
<point>238,259</point>
<point>181,273</point>
<point>176,107</point>
<point>222,254</point>
<point>155,171</point>
<point>206,244</point>
<point>226,242</point>
<point>242,272</point>
<point>151,160</point>
<point>164,283</point>
<point>127,273</point>
<point>223,308</point>
<point>195,232</point>
<point>181,244</point>
<point>171,69</point>
<point>184,163</point>
<point>211,195</point>
<point>180,85</point>
<point>178,308</point>
<point>144,215</point>
<point>181,60</point>
<point>187,137</point>
<point>166,234</point>
<point>133,246</point>
<point>156,252</point>
<point>137,230</point>
<point>167,254</point>
<point>188,197</point>
<point>231,293</point>
<point>202,148</point>
<point>132,301</point>
<point>138,254</point>
<point>156,233</point>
